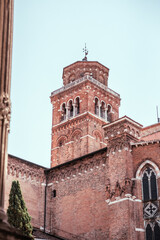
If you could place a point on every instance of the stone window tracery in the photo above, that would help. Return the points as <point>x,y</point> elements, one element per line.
<point>150,203</point>
<point>152,231</point>
<point>149,185</point>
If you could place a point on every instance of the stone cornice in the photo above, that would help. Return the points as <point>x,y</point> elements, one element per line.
<point>25,171</point>
<point>75,160</point>
<point>122,119</point>
<point>79,117</point>
<point>151,126</point>
<point>31,164</point>
<point>76,168</point>
<point>142,143</point>
<point>81,80</point>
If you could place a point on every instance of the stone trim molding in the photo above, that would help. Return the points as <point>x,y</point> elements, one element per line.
<point>83,79</point>
<point>139,170</point>
<point>122,119</point>
<point>68,120</point>
<point>78,116</point>
<point>130,198</point>
<point>142,143</point>
<point>139,230</point>
<point>26,173</point>
<point>84,168</point>
<point>88,136</point>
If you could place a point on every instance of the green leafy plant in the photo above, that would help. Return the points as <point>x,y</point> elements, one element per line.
<point>18,216</point>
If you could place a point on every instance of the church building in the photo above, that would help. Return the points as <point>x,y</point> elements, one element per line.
<point>104,177</point>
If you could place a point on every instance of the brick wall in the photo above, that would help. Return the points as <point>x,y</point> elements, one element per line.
<point>32,182</point>
<point>85,86</point>
<point>81,207</point>
<point>98,196</point>
<point>151,132</point>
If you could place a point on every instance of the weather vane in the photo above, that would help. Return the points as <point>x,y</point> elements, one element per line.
<point>85,52</point>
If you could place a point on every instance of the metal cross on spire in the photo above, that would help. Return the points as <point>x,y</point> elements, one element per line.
<point>85,52</point>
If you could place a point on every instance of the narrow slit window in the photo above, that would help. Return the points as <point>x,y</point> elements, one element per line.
<point>96,106</point>
<point>77,106</point>
<point>63,116</point>
<point>54,193</point>
<point>102,110</point>
<point>70,110</point>
<point>109,113</point>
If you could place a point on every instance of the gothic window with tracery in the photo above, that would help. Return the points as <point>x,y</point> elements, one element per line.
<point>150,204</point>
<point>152,231</point>
<point>149,185</point>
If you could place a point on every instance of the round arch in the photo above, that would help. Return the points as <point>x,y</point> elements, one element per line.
<point>97,134</point>
<point>61,140</point>
<point>76,134</point>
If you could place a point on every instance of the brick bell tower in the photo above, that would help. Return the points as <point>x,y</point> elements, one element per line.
<point>80,109</point>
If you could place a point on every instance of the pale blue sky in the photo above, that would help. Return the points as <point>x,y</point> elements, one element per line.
<point>123,35</point>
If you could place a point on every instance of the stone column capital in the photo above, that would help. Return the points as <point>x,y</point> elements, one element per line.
<point>5,109</point>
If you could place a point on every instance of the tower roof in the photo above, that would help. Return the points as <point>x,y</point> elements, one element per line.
<point>79,69</point>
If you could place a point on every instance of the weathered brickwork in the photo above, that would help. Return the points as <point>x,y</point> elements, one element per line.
<point>94,188</point>
<point>151,132</point>
<point>80,108</point>
<point>80,69</point>
<point>32,181</point>
<point>79,206</point>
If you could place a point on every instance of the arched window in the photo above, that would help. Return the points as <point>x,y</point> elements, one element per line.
<point>102,110</point>
<point>109,113</point>
<point>156,232</point>
<point>96,106</point>
<point>150,203</point>
<point>149,183</point>
<point>149,232</point>
<point>61,141</point>
<point>148,173</point>
<point>77,106</point>
<point>63,116</point>
<point>152,231</point>
<point>70,109</point>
